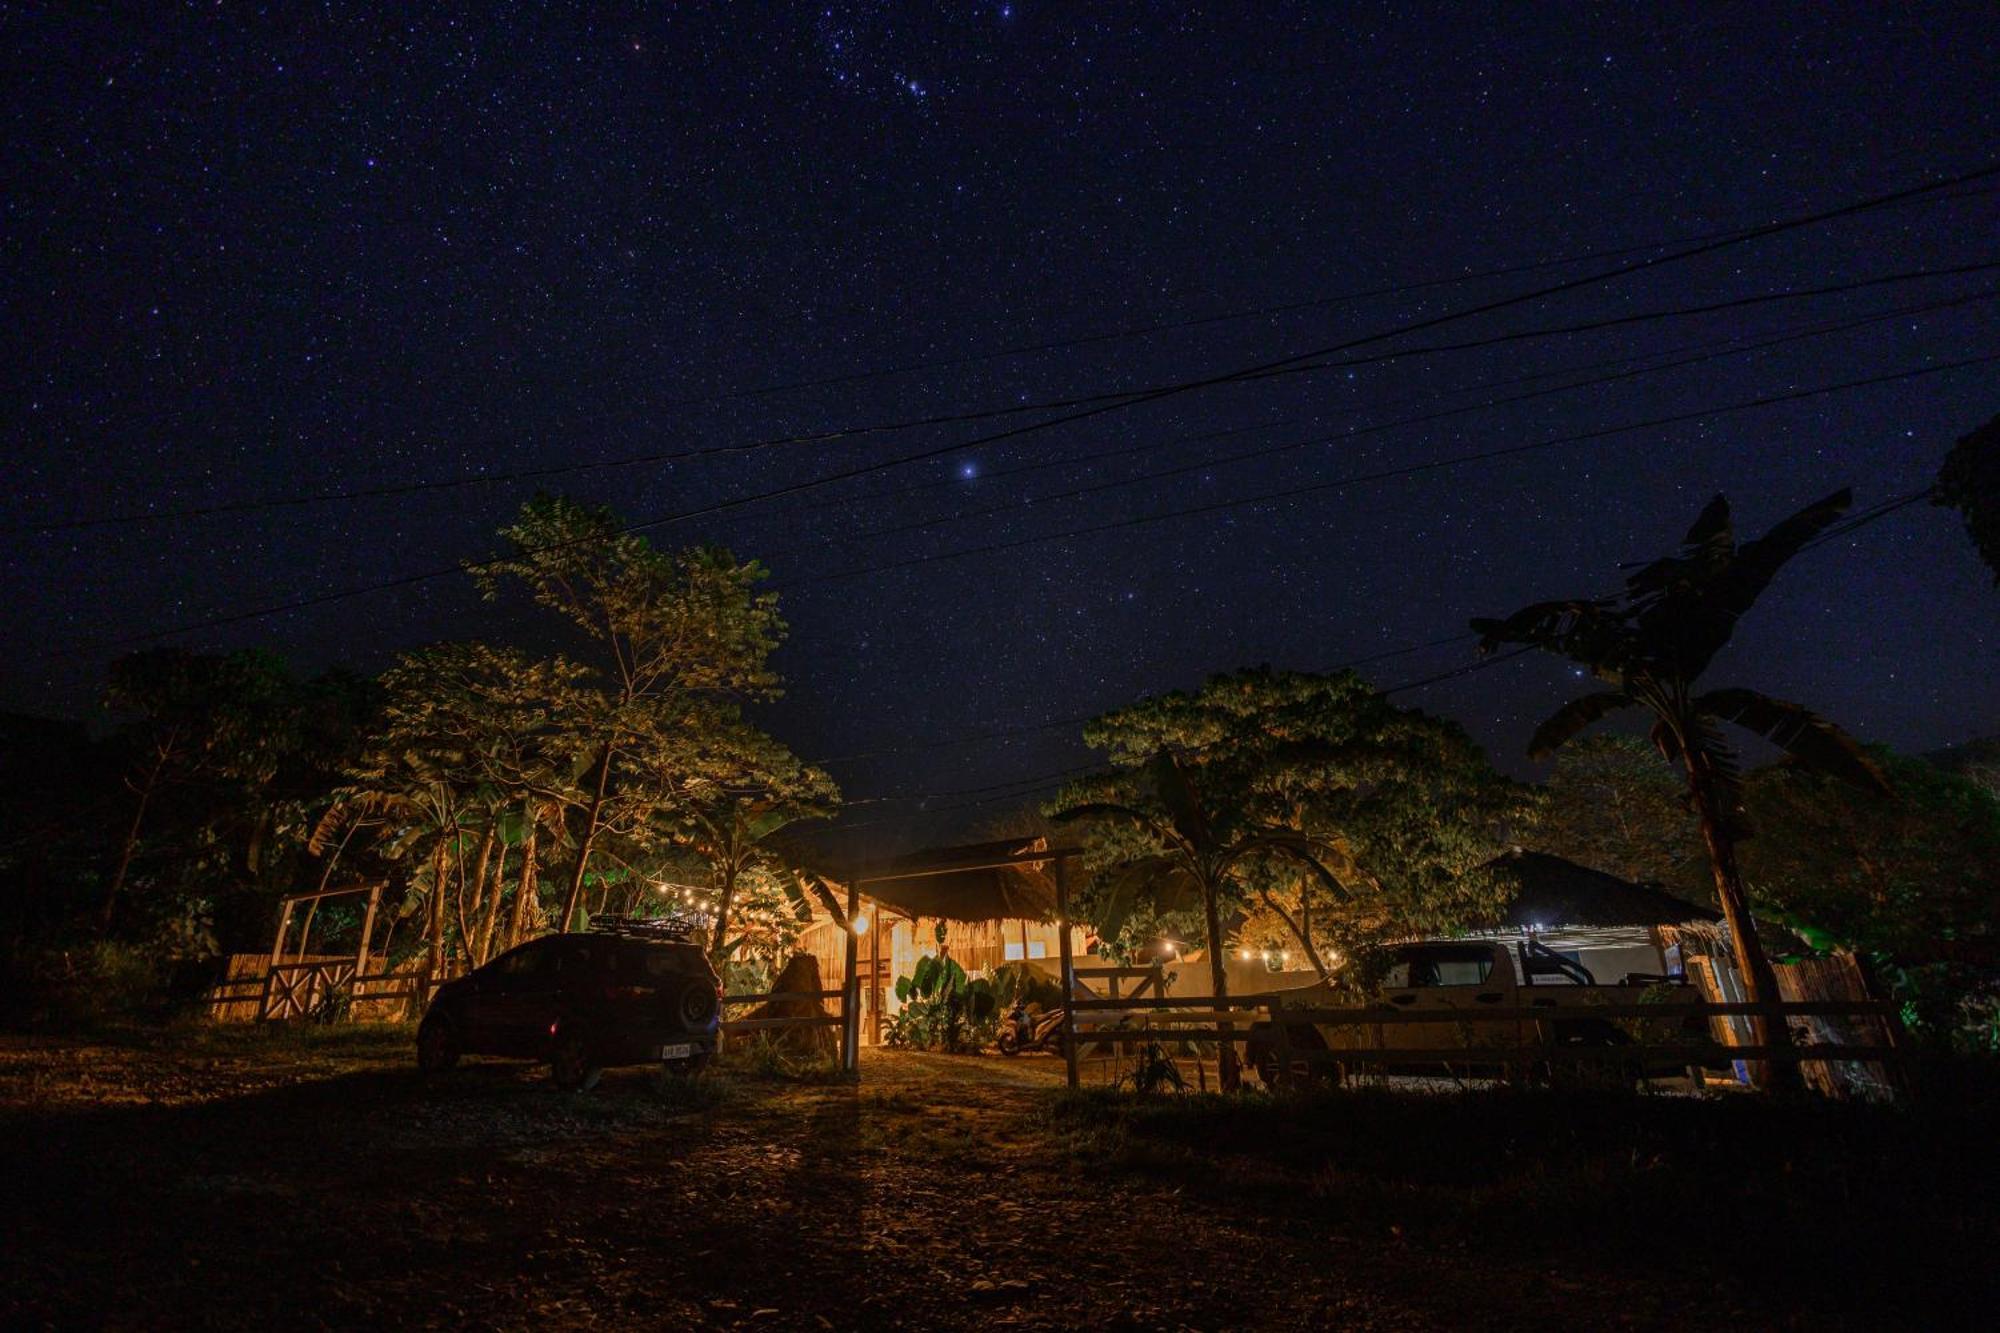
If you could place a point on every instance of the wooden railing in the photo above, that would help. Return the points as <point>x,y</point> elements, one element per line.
<point>847,1020</point>
<point>290,991</point>
<point>822,1019</point>
<point>1514,1040</point>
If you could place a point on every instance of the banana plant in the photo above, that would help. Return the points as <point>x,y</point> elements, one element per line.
<point>1651,646</point>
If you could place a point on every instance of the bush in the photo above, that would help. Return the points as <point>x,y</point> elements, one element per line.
<point>943,1009</point>
<point>82,984</point>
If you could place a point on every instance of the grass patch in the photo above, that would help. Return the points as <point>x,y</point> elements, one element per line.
<point>1822,1195</point>
<point>766,1056</point>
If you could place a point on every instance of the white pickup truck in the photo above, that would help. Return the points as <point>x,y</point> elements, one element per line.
<point>1469,984</point>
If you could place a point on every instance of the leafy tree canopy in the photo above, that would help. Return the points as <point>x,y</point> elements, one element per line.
<point>1613,806</point>
<point>1895,876</point>
<point>1399,808</point>
<point>1970,483</point>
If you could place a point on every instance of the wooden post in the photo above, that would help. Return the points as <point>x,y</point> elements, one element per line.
<point>1282,1031</point>
<point>284,926</point>
<point>850,1012</point>
<point>367,932</point>
<point>1068,972</point>
<point>875,976</point>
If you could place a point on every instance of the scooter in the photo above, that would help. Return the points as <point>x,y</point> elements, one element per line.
<point>1021,1031</point>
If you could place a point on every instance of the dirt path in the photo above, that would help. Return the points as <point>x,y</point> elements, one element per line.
<point>246,1186</point>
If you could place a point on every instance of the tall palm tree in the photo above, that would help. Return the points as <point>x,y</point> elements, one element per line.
<point>1193,854</point>
<point>1652,646</point>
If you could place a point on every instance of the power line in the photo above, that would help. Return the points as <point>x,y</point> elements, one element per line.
<point>1187,386</point>
<point>1297,364</point>
<point>1032,728</point>
<point>1726,348</point>
<point>941,363</point>
<point>1741,342</point>
<point>1406,470</point>
<point>1853,523</point>
<point>400,489</point>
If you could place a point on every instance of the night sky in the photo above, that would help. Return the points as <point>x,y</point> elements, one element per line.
<point>253,255</point>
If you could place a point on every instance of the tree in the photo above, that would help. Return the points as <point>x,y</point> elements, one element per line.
<point>1913,881</point>
<point>667,632</point>
<point>1614,807</point>
<point>192,716</point>
<point>1190,853</point>
<point>1406,804</point>
<point>725,789</point>
<point>1310,800</point>
<point>1652,646</point>
<point>471,754</point>
<point>1970,483</point>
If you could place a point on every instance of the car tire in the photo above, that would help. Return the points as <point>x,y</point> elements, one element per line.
<point>695,1006</point>
<point>570,1065</point>
<point>437,1044</point>
<point>1262,1049</point>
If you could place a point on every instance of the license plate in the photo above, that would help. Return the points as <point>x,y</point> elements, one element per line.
<point>679,1051</point>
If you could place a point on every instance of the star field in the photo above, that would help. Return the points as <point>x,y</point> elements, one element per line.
<point>257,255</point>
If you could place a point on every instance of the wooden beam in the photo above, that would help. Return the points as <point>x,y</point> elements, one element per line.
<point>1068,972</point>
<point>367,931</point>
<point>284,926</point>
<point>850,1012</point>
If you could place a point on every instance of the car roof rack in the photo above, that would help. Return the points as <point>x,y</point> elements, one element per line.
<point>677,927</point>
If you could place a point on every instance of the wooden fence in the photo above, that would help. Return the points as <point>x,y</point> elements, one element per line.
<point>1517,1042</point>
<point>320,987</point>
<point>846,1020</point>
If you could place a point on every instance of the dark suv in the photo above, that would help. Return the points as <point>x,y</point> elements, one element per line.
<point>623,996</point>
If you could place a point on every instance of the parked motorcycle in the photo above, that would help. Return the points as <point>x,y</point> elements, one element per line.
<point>1022,1031</point>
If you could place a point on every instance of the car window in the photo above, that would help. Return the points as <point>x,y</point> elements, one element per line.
<point>1440,969</point>
<point>660,962</point>
<point>530,960</point>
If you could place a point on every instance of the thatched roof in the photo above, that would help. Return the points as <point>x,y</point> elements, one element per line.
<point>984,881</point>
<point>1552,892</point>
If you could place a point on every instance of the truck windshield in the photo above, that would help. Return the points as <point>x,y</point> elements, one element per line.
<point>1456,968</point>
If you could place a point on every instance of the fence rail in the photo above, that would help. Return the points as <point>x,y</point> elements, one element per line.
<point>820,1019</point>
<point>1512,1038</point>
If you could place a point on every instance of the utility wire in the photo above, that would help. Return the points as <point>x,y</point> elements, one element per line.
<point>1188,386</point>
<point>1406,470</point>
<point>1852,523</point>
<point>1298,364</point>
<point>1659,359</point>
<point>941,363</point>
<point>1728,347</point>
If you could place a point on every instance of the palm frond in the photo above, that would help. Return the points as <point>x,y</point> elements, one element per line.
<point>1572,718</point>
<point>1801,733</point>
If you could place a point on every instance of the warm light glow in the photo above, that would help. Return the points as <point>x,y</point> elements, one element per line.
<point>1167,948</point>
<point>1244,954</point>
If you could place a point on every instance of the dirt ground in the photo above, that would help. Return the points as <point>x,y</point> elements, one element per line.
<point>230,1178</point>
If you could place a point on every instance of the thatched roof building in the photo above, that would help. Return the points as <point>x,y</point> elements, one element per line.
<point>1551,892</point>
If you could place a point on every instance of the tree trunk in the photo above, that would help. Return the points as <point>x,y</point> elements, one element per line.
<point>1759,981</point>
<point>1301,931</point>
<point>1227,1073</point>
<point>467,935</point>
<point>492,913</point>
<point>435,926</point>
<point>525,892</point>
<point>131,843</point>
<point>575,896</point>
<point>724,899</point>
